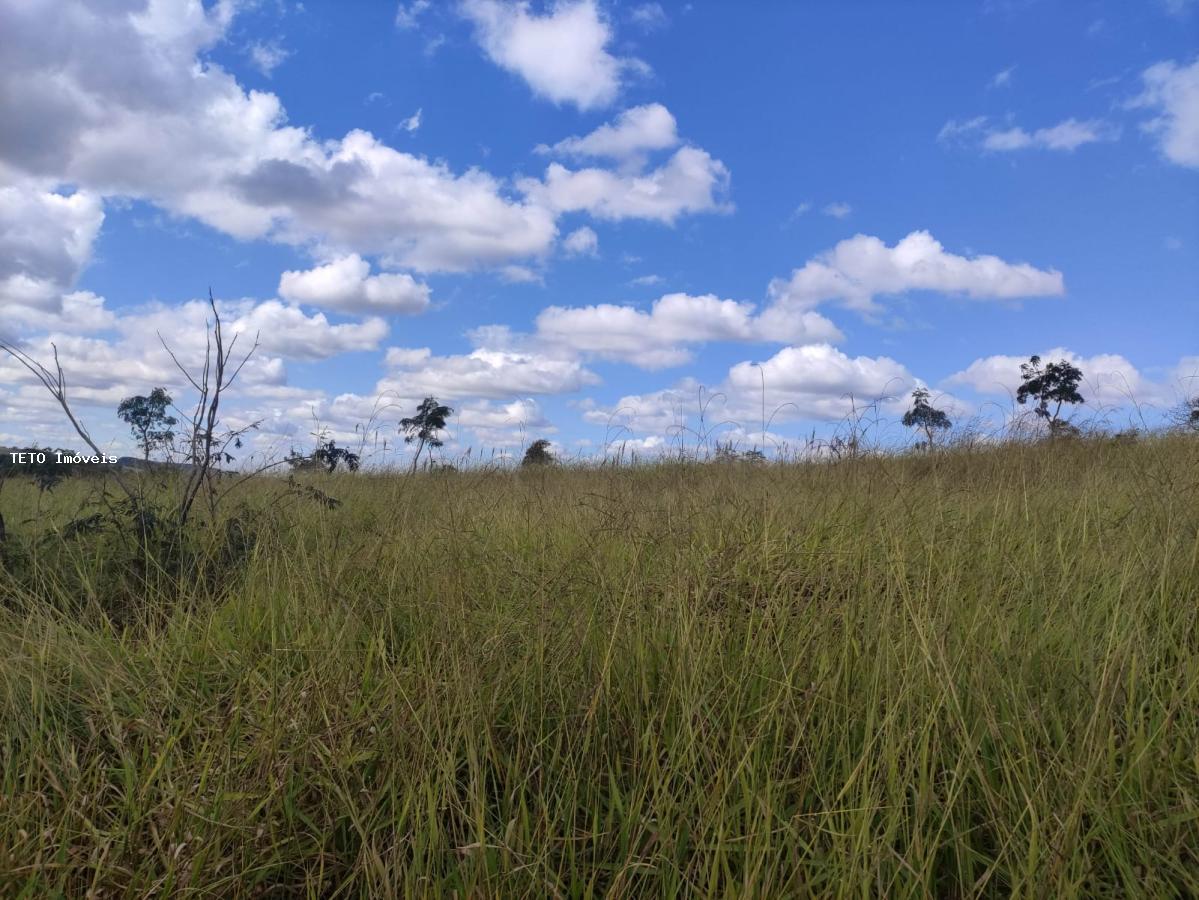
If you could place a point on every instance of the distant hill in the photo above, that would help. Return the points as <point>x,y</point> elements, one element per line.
<point>153,465</point>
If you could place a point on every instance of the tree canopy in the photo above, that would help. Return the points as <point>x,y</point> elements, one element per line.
<point>1053,383</point>
<point>538,454</point>
<point>925,417</point>
<point>425,426</point>
<point>148,420</point>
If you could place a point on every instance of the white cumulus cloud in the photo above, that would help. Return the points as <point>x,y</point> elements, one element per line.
<point>45,242</point>
<point>1172,90</point>
<point>1108,378</point>
<point>346,284</point>
<point>816,382</point>
<point>122,102</point>
<point>288,332</point>
<point>496,374</point>
<point>658,338</point>
<point>860,269</point>
<point>691,181</point>
<point>503,424</point>
<point>635,131</point>
<point>562,55</point>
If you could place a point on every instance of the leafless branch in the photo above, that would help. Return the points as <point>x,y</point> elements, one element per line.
<point>55,383</point>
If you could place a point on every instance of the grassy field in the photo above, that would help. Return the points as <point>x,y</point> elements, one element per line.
<point>968,674</point>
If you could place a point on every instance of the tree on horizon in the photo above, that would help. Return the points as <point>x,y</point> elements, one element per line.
<point>148,420</point>
<point>1052,383</point>
<point>925,417</point>
<point>538,454</point>
<point>424,426</point>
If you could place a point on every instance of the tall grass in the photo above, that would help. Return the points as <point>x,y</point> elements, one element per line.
<point>962,674</point>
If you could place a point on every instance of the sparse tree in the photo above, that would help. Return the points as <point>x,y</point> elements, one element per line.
<point>327,456</point>
<point>925,417</point>
<point>424,426</point>
<point>1053,383</point>
<point>205,437</point>
<point>148,420</point>
<point>330,456</point>
<point>538,454</point>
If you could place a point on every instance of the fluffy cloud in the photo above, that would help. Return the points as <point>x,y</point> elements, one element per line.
<point>281,330</point>
<point>520,275</point>
<point>860,269</point>
<point>818,381</point>
<point>103,370</point>
<point>635,131</point>
<point>1173,91</point>
<point>690,181</point>
<point>657,413</point>
<point>81,311</point>
<point>117,100</point>
<point>124,102</point>
<point>364,195</point>
<point>489,373</point>
<point>346,284</point>
<point>45,241</point>
<point>1108,379</point>
<point>132,359</point>
<point>99,372</point>
<point>369,421</point>
<point>503,424</point>
<point>625,447</point>
<point>812,382</point>
<point>653,339</point>
<point>286,331</point>
<point>581,242</point>
<point>561,55</point>
<point>406,357</point>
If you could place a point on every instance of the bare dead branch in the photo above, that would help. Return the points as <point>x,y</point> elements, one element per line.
<point>55,384</point>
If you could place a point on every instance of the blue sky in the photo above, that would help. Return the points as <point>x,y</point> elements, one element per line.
<point>565,219</point>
